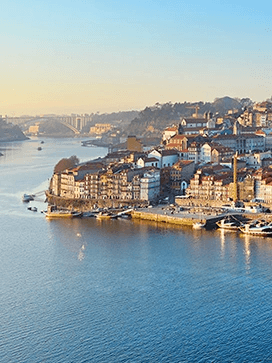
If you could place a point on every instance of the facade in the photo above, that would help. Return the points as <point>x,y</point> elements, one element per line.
<point>169,132</point>
<point>145,162</point>
<point>241,143</point>
<point>180,175</point>
<point>178,142</point>
<point>193,125</point>
<point>165,157</point>
<point>220,152</point>
<point>117,182</point>
<point>99,129</point>
<point>206,153</point>
<point>150,185</point>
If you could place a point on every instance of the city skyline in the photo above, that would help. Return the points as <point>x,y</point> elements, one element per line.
<point>66,57</point>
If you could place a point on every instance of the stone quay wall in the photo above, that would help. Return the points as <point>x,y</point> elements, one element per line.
<point>85,205</point>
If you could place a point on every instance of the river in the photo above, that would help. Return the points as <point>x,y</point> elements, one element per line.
<point>85,290</point>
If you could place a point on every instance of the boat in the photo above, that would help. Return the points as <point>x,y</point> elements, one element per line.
<point>199,225</point>
<point>39,148</point>
<point>33,209</point>
<point>227,223</point>
<point>28,198</point>
<point>53,213</point>
<point>102,216</point>
<point>257,228</point>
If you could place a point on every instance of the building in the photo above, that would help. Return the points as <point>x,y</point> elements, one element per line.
<point>245,143</point>
<point>165,157</point>
<point>180,175</point>
<point>150,185</point>
<point>99,129</point>
<point>134,144</point>
<point>193,125</point>
<point>144,162</point>
<point>220,153</point>
<point>169,132</point>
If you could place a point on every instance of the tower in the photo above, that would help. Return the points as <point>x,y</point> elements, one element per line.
<point>235,184</point>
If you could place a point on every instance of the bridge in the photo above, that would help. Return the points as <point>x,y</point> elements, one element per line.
<point>44,119</point>
<point>70,127</point>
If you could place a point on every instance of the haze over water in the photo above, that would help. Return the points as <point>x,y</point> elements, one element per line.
<point>122,291</point>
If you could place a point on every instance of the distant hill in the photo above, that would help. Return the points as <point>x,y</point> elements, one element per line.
<point>54,128</point>
<point>222,105</point>
<point>124,117</point>
<point>9,132</point>
<point>153,120</point>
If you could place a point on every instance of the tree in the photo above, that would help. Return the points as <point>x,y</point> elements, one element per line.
<point>65,163</point>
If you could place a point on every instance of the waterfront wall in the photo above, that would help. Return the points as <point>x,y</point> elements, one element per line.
<point>85,205</point>
<point>171,219</point>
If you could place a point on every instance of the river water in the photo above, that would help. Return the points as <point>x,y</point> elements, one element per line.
<point>122,291</point>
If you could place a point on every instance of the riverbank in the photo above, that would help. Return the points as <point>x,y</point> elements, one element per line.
<point>86,205</point>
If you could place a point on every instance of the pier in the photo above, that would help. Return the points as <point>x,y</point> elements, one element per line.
<point>184,217</point>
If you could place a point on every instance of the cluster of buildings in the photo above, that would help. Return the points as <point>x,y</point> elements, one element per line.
<point>125,176</point>
<point>196,157</point>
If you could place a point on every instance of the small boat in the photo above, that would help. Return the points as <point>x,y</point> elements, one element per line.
<point>226,223</point>
<point>39,148</point>
<point>102,215</point>
<point>33,209</point>
<point>198,225</point>
<point>27,198</point>
<point>53,213</point>
<point>257,228</point>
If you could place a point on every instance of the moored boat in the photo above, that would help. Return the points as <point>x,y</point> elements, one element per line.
<point>28,197</point>
<point>102,215</point>
<point>228,224</point>
<point>257,229</point>
<point>53,213</point>
<point>33,209</point>
<point>199,225</point>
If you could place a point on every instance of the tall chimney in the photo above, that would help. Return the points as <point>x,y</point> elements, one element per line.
<point>235,185</point>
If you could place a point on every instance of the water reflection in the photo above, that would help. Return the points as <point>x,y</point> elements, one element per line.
<point>247,251</point>
<point>81,255</point>
<point>222,242</point>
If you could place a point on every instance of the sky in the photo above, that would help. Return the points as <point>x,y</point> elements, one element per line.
<point>89,56</point>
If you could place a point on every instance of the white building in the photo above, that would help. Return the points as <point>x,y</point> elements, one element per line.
<point>150,185</point>
<point>206,153</point>
<point>79,188</point>
<point>146,162</point>
<point>165,157</point>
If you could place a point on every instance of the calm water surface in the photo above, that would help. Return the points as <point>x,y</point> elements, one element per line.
<point>122,291</point>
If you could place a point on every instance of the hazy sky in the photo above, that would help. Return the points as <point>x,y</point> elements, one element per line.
<point>87,56</point>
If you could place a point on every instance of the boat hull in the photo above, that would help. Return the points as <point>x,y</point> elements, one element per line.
<point>62,215</point>
<point>255,231</point>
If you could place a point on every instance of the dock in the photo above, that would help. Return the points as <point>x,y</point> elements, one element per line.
<point>185,218</point>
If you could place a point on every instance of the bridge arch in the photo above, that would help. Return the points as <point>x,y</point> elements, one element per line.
<point>70,127</point>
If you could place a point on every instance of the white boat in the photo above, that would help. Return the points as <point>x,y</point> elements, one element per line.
<point>198,225</point>
<point>28,197</point>
<point>228,224</point>
<point>257,228</point>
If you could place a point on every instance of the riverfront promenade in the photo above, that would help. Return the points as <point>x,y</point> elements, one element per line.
<point>207,216</point>
<point>174,215</point>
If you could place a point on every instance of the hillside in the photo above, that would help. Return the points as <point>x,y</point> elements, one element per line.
<point>156,118</point>
<point>9,132</point>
